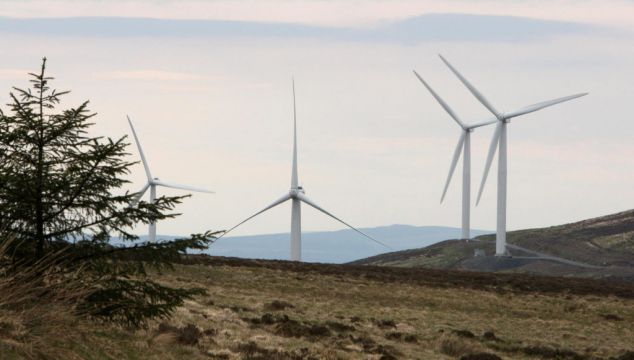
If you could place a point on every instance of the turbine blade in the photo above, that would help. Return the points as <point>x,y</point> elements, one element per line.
<point>454,162</point>
<point>442,103</point>
<point>541,105</point>
<point>274,204</point>
<point>139,195</point>
<point>294,177</point>
<point>303,198</point>
<point>182,187</point>
<point>483,123</point>
<point>138,144</point>
<point>471,88</point>
<point>492,149</point>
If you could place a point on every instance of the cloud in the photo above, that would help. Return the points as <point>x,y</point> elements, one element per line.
<point>146,75</point>
<point>325,12</point>
<point>429,27</point>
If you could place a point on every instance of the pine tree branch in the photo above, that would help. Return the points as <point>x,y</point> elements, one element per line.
<point>80,188</point>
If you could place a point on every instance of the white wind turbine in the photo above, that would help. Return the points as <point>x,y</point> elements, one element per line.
<point>499,140</point>
<point>153,182</point>
<point>464,145</point>
<point>297,195</point>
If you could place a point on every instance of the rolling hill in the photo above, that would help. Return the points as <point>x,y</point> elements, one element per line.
<point>332,246</point>
<point>597,247</point>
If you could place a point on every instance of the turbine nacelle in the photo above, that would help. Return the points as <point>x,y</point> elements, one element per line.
<point>295,193</point>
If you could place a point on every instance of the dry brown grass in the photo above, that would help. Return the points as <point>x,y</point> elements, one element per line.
<point>253,312</point>
<point>39,318</point>
<point>339,317</point>
<point>37,313</point>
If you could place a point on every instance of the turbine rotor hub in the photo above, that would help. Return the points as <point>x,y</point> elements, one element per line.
<point>296,191</point>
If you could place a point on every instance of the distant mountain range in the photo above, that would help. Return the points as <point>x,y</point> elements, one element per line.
<point>598,247</point>
<point>333,246</point>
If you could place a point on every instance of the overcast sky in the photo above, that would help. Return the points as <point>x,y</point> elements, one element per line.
<point>211,99</point>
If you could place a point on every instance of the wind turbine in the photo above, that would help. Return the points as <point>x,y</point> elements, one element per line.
<point>499,141</point>
<point>153,182</point>
<point>464,146</point>
<point>297,195</point>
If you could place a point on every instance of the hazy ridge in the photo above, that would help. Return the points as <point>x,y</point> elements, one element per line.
<point>332,246</point>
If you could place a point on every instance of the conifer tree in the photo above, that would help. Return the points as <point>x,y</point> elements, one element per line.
<point>61,192</point>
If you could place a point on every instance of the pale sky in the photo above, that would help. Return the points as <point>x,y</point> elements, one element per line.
<point>325,12</point>
<point>214,109</point>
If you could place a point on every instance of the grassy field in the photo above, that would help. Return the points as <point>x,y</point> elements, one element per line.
<point>282,310</point>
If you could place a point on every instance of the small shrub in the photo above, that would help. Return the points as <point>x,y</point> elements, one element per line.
<point>339,327</point>
<point>385,323</point>
<point>166,328</point>
<point>187,335</point>
<point>270,319</point>
<point>611,317</point>
<point>410,338</point>
<point>210,332</point>
<point>464,333</point>
<point>288,327</point>
<point>489,336</point>
<point>319,330</point>
<point>456,346</point>
<point>218,355</point>
<point>387,352</point>
<point>480,356</point>
<point>550,353</point>
<point>399,336</point>
<point>238,308</point>
<point>628,355</point>
<point>366,342</point>
<point>277,305</point>
<point>252,351</point>
<point>293,328</point>
<point>388,357</point>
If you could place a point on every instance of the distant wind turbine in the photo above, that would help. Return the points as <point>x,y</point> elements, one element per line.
<point>464,145</point>
<point>152,183</point>
<point>297,195</point>
<point>499,140</point>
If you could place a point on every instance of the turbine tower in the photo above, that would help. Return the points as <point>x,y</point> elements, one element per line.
<point>499,142</point>
<point>297,195</point>
<point>152,183</point>
<point>464,146</point>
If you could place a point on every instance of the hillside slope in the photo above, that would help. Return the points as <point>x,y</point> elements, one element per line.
<point>334,246</point>
<point>602,246</point>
